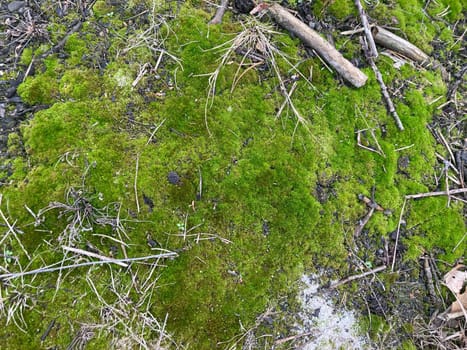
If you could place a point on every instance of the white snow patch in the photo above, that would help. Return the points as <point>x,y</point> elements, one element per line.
<point>331,327</point>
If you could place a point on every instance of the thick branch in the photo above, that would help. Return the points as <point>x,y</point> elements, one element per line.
<point>391,41</point>
<point>312,39</point>
<point>217,19</point>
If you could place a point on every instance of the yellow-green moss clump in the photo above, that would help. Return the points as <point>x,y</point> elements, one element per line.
<point>275,198</point>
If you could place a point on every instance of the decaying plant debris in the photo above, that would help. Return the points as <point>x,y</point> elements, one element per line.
<point>171,171</point>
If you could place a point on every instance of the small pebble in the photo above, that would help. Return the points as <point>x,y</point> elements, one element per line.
<point>16,5</point>
<point>10,92</point>
<point>173,178</point>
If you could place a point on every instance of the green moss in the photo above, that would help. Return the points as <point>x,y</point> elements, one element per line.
<point>338,9</point>
<point>450,9</point>
<point>77,48</point>
<point>276,198</point>
<point>102,8</point>
<point>79,84</point>
<point>43,88</point>
<point>26,56</point>
<point>38,90</point>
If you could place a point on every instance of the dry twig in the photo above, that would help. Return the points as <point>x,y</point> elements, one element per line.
<point>8,276</point>
<point>373,53</point>
<point>436,193</point>
<point>355,277</point>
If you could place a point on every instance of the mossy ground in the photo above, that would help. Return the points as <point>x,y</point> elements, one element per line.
<point>262,178</point>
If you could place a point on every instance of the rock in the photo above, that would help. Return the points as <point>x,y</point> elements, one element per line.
<point>15,99</point>
<point>244,6</point>
<point>2,110</point>
<point>173,178</point>
<point>10,92</point>
<point>14,6</point>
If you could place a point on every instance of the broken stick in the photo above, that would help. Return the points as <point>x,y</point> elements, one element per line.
<point>437,193</point>
<point>384,90</point>
<point>366,28</point>
<point>355,277</point>
<point>393,42</point>
<point>217,19</point>
<point>371,53</point>
<point>312,39</point>
<point>363,222</point>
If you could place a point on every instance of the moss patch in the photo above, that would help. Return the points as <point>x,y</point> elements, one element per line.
<point>259,199</point>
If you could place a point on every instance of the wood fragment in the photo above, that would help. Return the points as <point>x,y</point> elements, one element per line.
<point>355,277</point>
<point>355,31</point>
<point>366,28</point>
<point>363,222</point>
<point>429,277</point>
<point>453,315</point>
<point>370,203</point>
<point>312,39</point>
<point>384,90</point>
<point>293,337</point>
<point>47,331</point>
<point>436,193</point>
<point>397,236</point>
<point>393,42</point>
<point>217,19</point>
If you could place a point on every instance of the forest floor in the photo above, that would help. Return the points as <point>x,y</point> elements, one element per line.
<point>171,183</point>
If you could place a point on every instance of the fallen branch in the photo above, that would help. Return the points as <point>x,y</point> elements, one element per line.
<point>384,90</point>
<point>429,277</point>
<point>355,277</point>
<point>387,98</point>
<point>437,193</point>
<point>217,19</point>
<point>393,42</point>
<point>312,39</point>
<point>366,28</point>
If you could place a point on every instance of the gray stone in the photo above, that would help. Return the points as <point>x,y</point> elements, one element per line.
<point>16,5</point>
<point>11,91</point>
<point>173,178</point>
